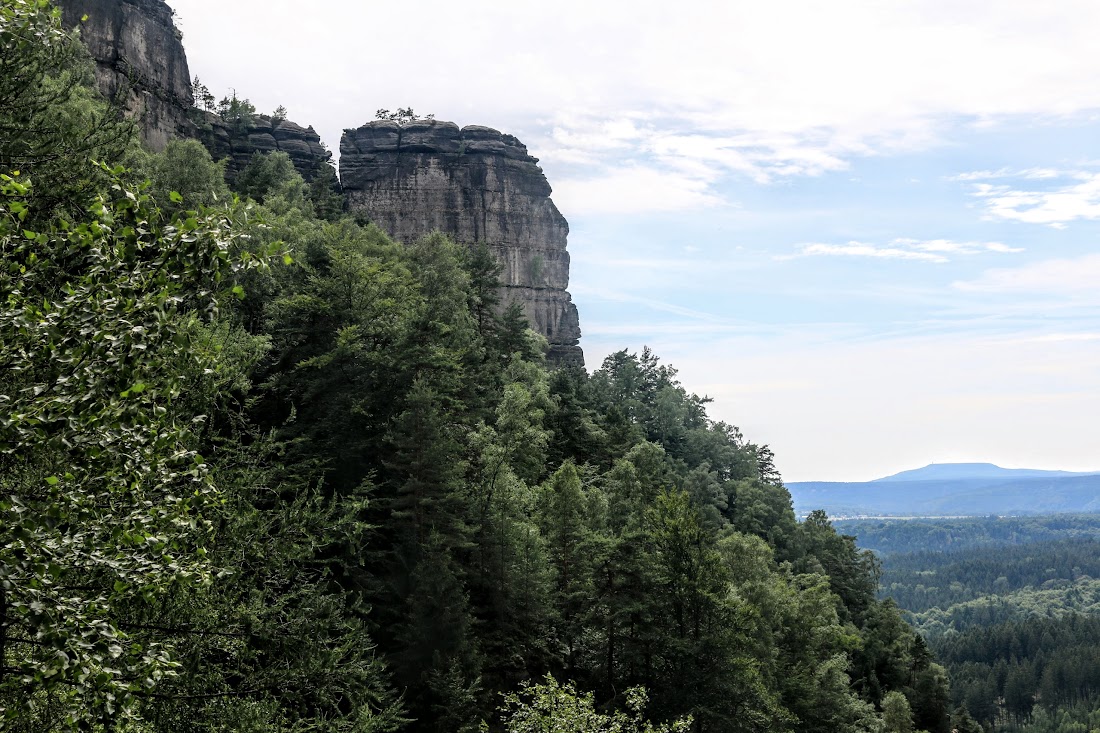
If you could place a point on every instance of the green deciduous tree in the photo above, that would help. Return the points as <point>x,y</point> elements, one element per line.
<point>52,123</point>
<point>551,705</point>
<point>273,174</point>
<point>185,168</point>
<point>103,490</point>
<point>896,713</point>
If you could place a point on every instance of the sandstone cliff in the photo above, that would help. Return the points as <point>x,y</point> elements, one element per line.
<point>139,60</point>
<point>476,185</point>
<point>139,53</point>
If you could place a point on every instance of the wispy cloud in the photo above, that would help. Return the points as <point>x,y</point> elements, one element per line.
<point>658,305</point>
<point>1075,195</point>
<point>633,189</point>
<point>1071,276</point>
<point>860,249</point>
<point>932,250</point>
<point>1025,173</point>
<point>644,164</point>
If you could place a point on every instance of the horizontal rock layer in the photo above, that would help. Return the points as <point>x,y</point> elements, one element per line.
<point>140,62</point>
<point>262,134</point>
<point>476,185</point>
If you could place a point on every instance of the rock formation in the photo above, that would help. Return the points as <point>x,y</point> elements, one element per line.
<point>140,62</point>
<point>262,134</point>
<point>475,185</point>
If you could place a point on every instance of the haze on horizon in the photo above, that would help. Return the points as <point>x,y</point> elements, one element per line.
<point>868,230</point>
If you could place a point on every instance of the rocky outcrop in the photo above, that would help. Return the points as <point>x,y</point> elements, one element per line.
<point>263,134</point>
<point>140,62</point>
<point>475,185</point>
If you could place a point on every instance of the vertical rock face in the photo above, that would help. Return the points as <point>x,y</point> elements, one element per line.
<point>139,53</point>
<point>475,185</point>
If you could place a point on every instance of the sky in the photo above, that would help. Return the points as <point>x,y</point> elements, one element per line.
<point>870,231</point>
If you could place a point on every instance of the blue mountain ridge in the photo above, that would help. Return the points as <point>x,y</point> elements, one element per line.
<point>955,471</point>
<point>971,489</point>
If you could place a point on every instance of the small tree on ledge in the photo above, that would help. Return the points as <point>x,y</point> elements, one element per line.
<point>401,116</point>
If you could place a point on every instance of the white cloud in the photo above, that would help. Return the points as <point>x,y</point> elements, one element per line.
<point>1057,207</point>
<point>765,90</point>
<point>1027,173</point>
<point>859,249</point>
<point>694,163</point>
<point>946,246</point>
<point>1074,276</point>
<point>762,157</point>
<point>1003,248</point>
<point>932,250</point>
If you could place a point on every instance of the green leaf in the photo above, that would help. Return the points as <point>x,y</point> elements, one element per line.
<point>175,197</point>
<point>52,480</point>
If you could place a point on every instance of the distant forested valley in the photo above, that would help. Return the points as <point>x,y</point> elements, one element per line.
<point>264,469</point>
<point>1010,606</point>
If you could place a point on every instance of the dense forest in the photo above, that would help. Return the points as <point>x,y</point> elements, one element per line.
<point>263,469</point>
<point>1012,610</point>
<point>890,536</point>
<point>984,585</point>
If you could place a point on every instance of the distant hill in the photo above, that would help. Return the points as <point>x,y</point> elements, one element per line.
<point>960,489</point>
<point>956,471</point>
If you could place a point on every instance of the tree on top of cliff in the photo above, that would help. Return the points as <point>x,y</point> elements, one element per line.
<point>204,99</point>
<point>402,116</point>
<point>236,111</point>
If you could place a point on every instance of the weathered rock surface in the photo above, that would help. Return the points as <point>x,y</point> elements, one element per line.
<point>475,184</point>
<point>263,134</point>
<point>140,61</point>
